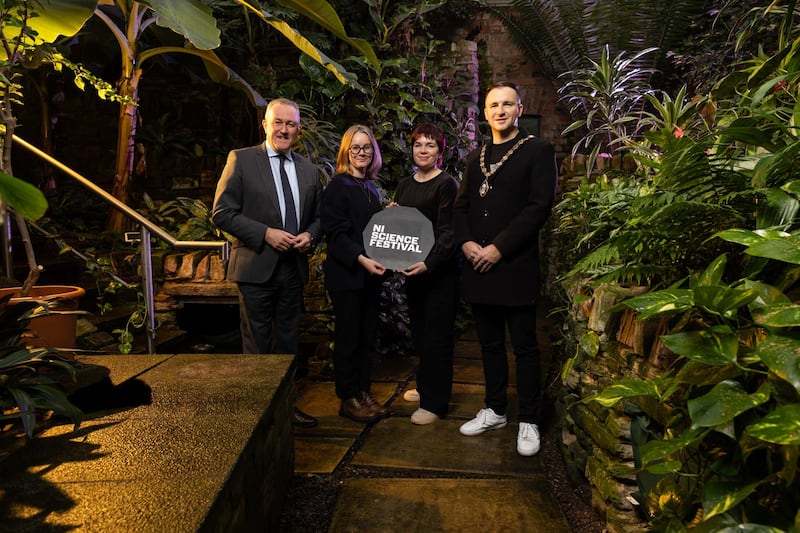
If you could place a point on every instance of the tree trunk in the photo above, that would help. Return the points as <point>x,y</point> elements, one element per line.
<point>128,117</point>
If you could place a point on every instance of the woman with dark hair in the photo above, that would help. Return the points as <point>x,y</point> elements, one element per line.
<point>351,278</point>
<point>432,284</point>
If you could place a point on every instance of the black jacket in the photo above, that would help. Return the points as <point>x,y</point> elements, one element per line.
<point>347,206</point>
<point>510,216</point>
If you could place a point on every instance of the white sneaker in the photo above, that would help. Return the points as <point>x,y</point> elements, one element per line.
<point>528,442</point>
<point>423,417</point>
<point>411,395</point>
<point>485,419</point>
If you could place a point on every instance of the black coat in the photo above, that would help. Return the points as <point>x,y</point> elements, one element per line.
<point>509,216</point>
<point>347,206</point>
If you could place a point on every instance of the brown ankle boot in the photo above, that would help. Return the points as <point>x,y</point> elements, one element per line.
<point>369,400</point>
<point>354,409</point>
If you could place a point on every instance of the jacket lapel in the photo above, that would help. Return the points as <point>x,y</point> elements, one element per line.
<point>265,169</point>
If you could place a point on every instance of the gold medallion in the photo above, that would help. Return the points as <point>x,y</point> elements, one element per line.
<point>484,188</point>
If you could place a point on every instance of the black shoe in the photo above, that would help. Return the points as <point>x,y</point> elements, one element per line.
<point>302,420</point>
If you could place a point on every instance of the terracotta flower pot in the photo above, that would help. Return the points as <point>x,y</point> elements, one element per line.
<point>55,330</point>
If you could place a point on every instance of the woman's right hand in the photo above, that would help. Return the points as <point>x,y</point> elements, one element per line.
<point>392,204</point>
<point>371,266</point>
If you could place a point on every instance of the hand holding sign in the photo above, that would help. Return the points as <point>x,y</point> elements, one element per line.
<point>398,237</point>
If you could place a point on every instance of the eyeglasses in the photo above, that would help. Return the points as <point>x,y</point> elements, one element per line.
<point>356,149</point>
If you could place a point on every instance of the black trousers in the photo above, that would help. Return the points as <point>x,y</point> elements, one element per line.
<point>355,327</point>
<point>490,322</point>
<point>278,301</point>
<point>432,303</point>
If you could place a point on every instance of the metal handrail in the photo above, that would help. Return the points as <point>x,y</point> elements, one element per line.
<point>148,228</point>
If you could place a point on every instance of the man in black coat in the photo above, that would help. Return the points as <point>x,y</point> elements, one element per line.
<point>268,199</point>
<point>506,196</point>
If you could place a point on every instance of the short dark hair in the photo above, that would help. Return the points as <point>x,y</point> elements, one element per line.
<point>431,131</point>
<point>501,84</point>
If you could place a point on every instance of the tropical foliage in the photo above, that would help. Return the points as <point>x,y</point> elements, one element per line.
<point>722,422</point>
<point>565,35</point>
<point>415,82</point>
<point>726,429</point>
<point>31,379</point>
<point>192,29</point>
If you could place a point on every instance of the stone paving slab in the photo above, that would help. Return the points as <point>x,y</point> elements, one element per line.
<point>394,369</point>
<point>396,443</point>
<point>319,455</point>
<point>467,349</point>
<point>449,505</point>
<point>319,400</point>
<point>468,371</point>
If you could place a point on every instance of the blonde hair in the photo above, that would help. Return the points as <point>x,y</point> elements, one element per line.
<point>343,158</point>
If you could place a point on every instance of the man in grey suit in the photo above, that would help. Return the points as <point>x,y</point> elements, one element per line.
<point>268,199</point>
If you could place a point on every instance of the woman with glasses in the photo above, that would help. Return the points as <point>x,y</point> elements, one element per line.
<point>432,284</point>
<point>352,279</point>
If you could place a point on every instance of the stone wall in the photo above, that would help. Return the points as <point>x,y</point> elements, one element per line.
<point>598,443</point>
<point>183,277</point>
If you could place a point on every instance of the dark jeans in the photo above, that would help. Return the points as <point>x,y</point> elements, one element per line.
<point>490,322</point>
<point>355,326</point>
<point>279,300</point>
<point>432,305</point>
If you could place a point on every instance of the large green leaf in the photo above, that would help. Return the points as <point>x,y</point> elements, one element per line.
<point>190,18</point>
<point>627,388</point>
<point>217,70</point>
<point>60,17</point>
<point>740,236</point>
<point>717,345</point>
<point>781,426</point>
<point>696,373</point>
<point>303,44</point>
<point>590,343</point>
<point>782,356</point>
<point>721,300</point>
<point>777,315</point>
<point>668,301</point>
<point>786,249</point>
<point>26,199</point>
<point>718,497</point>
<point>658,451</point>
<point>325,15</point>
<point>767,294</point>
<point>723,403</point>
<point>712,275</point>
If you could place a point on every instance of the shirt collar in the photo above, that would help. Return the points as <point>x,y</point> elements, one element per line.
<point>272,153</point>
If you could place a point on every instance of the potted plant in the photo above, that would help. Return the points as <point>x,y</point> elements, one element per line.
<point>32,380</point>
<point>26,43</point>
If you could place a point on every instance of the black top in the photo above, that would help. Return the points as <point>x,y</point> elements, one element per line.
<point>348,204</point>
<point>509,216</point>
<point>434,199</point>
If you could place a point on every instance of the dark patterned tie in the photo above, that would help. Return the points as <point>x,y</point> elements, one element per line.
<point>290,224</point>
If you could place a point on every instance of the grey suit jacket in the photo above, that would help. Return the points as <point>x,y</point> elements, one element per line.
<point>246,204</point>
